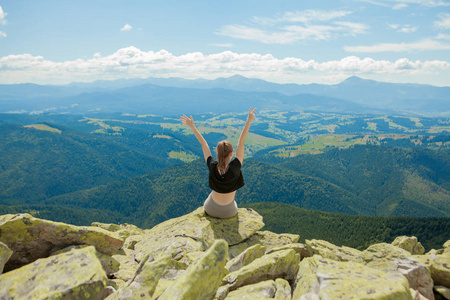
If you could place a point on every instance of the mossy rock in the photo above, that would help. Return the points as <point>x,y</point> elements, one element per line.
<point>261,290</point>
<point>439,265</point>
<point>410,244</point>
<point>323,278</point>
<point>389,258</point>
<point>5,254</point>
<point>201,279</point>
<point>268,239</point>
<point>245,257</point>
<point>328,250</point>
<point>77,274</point>
<point>280,264</point>
<point>31,238</point>
<point>144,282</point>
<point>196,232</point>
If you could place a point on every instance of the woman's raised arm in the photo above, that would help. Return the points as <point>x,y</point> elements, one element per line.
<point>240,147</point>
<point>190,123</point>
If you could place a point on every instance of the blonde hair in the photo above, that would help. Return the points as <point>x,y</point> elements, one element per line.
<point>224,148</point>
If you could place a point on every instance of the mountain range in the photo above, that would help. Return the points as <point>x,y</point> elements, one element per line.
<point>153,95</point>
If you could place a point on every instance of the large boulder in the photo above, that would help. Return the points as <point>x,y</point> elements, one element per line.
<point>410,244</point>
<point>328,250</point>
<point>123,230</point>
<point>201,279</point>
<point>196,232</point>
<point>268,239</point>
<point>109,264</point>
<point>5,254</point>
<point>77,274</point>
<point>143,284</point>
<point>391,259</point>
<point>323,278</point>
<point>245,257</point>
<point>31,238</point>
<point>447,247</point>
<point>280,264</point>
<point>439,265</point>
<point>261,290</point>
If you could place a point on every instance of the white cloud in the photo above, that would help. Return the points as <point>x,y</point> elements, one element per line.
<point>426,44</point>
<point>400,6</point>
<point>444,21</point>
<point>2,16</point>
<point>408,29</point>
<point>131,62</point>
<point>289,31</point>
<point>427,3</point>
<point>225,45</point>
<point>307,16</point>
<point>443,36</point>
<point>403,3</point>
<point>127,27</point>
<point>403,28</point>
<point>2,34</point>
<point>353,28</point>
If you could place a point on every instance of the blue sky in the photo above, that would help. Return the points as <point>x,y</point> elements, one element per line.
<point>57,42</point>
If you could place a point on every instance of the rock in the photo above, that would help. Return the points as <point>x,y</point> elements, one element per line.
<point>127,265</point>
<point>283,289</point>
<point>435,252</point>
<point>77,274</point>
<point>328,250</point>
<point>109,264</point>
<point>201,279</point>
<point>409,244</point>
<point>196,232</point>
<point>5,254</point>
<point>389,258</point>
<point>191,257</point>
<point>268,239</point>
<point>282,264</point>
<point>443,291</point>
<point>447,247</point>
<point>144,281</point>
<point>261,290</point>
<point>297,247</point>
<point>31,238</point>
<point>439,265</point>
<point>417,296</point>
<point>323,278</point>
<point>123,230</point>
<point>245,257</point>
<point>109,290</point>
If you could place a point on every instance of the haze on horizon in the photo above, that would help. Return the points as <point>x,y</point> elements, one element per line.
<point>48,42</point>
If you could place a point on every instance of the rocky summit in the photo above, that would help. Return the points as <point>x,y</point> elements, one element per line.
<point>199,257</point>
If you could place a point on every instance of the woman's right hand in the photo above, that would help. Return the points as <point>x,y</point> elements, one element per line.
<point>251,115</point>
<point>187,121</point>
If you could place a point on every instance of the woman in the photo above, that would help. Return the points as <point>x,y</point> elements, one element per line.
<point>225,176</point>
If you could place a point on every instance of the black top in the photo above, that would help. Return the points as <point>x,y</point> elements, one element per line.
<point>228,182</point>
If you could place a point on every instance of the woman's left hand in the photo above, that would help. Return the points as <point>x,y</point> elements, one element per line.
<point>187,121</point>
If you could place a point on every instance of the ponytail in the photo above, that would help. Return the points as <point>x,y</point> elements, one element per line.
<point>224,148</point>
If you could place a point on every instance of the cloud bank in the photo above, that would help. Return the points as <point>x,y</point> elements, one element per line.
<point>131,62</point>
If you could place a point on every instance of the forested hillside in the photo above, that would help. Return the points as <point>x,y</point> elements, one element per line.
<point>397,181</point>
<point>37,164</point>
<point>353,231</point>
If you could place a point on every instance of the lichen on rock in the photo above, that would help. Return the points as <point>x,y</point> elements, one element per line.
<point>280,264</point>
<point>197,231</point>
<point>77,274</point>
<point>5,254</point>
<point>31,238</point>
<point>324,278</point>
<point>409,244</point>
<point>201,279</point>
